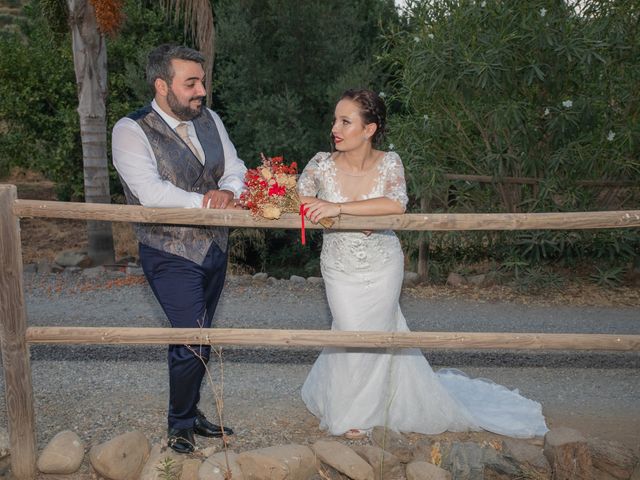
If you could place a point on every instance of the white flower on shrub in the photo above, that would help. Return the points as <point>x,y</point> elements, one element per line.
<point>430,36</point>
<point>483,4</point>
<point>567,104</point>
<point>543,12</point>
<point>416,39</point>
<point>611,135</point>
<point>392,146</point>
<point>547,111</point>
<point>382,95</point>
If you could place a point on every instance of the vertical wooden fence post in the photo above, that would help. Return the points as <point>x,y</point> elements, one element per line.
<point>15,355</point>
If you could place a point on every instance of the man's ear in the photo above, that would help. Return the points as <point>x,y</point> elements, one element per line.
<point>161,87</point>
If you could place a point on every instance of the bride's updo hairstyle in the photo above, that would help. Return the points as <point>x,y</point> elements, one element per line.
<point>372,109</point>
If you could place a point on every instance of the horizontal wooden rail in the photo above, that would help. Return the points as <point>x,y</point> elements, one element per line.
<point>415,221</point>
<point>333,338</point>
<point>535,181</point>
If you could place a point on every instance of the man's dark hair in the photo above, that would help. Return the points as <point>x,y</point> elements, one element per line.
<point>159,61</point>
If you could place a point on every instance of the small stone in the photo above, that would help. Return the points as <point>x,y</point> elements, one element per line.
<point>71,258</point>
<point>455,280</point>
<point>297,279</point>
<point>315,280</point>
<point>260,277</point>
<point>62,455</point>
<point>426,471</point>
<point>43,268</point>
<point>273,280</point>
<point>122,457</point>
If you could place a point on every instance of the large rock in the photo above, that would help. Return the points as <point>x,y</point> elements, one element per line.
<point>70,258</point>
<point>283,462</point>
<point>426,471</point>
<point>611,460</point>
<point>215,467</point>
<point>568,453</point>
<point>393,442</point>
<point>471,461</point>
<point>161,463</point>
<point>122,457</point>
<point>343,459</point>
<point>62,455</point>
<point>386,466</point>
<point>528,457</point>
<point>190,469</point>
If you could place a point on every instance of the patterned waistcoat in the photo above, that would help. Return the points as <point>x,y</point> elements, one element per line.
<point>178,165</point>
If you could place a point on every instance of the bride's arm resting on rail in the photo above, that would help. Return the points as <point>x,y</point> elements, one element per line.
<point>318,209</point>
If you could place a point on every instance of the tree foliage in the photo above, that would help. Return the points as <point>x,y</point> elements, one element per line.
<point>38,96</point>
<point>282,64</point>
<point>546,89</point>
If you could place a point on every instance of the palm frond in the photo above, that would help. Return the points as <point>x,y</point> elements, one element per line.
<point>197,16</point>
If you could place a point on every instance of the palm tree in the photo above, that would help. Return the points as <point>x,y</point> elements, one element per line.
<point>90,21</point>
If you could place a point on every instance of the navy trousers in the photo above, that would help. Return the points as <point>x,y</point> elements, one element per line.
<point>188,294</point>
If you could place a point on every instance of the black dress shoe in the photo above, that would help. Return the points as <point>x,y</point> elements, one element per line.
<point>181,440</point>
<point>204,428</point>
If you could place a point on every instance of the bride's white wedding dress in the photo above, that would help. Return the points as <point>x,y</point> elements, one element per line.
<point>356,388</point>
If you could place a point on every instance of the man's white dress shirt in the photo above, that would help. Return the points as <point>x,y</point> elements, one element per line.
<point>136,163</point>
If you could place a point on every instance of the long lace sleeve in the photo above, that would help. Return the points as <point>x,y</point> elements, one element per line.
<point>395,186</point>
<point>309,181</point>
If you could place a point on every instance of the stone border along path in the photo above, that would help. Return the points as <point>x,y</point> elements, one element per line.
<point>102,392</point>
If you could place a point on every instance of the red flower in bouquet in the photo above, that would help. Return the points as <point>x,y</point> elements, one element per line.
<point>271,188</point>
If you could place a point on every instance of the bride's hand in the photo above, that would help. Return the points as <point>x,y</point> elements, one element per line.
<point>317,209</point>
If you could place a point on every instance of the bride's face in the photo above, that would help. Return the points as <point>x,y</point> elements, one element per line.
<point>349,131</point>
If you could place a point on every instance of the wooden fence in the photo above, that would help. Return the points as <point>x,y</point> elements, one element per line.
<point>15,336</point>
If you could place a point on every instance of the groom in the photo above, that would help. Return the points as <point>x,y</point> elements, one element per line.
<point>175,152</point>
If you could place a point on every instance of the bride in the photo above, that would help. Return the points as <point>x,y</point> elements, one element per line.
<point>354,390</point>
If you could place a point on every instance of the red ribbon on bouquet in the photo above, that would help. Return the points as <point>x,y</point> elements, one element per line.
<point>302,233</point>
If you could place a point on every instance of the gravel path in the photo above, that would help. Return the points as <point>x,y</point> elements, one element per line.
<point>100,391</point>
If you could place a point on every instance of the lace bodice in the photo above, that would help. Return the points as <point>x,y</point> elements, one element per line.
<point>355,251</point>
<point>321,179</point>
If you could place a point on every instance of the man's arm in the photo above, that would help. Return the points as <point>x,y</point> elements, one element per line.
<point>136,164</point>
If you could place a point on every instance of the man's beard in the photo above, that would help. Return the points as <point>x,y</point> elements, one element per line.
<point>184,112</point>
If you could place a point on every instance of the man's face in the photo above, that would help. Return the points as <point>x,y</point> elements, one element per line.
<point>186,93</point>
